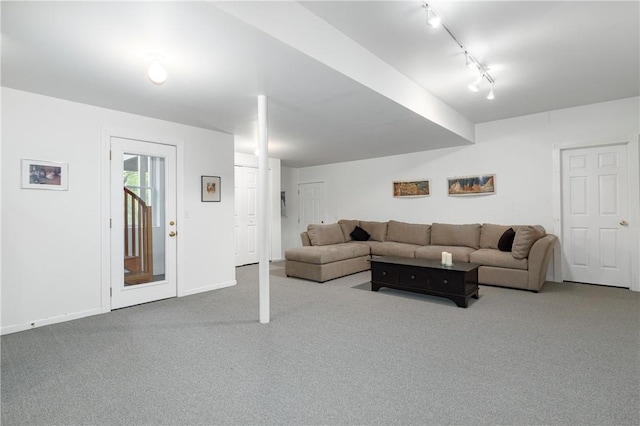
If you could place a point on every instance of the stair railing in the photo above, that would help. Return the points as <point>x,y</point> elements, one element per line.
<point>138,241</point>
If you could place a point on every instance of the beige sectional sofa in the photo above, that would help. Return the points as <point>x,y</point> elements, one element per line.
<point>329,251</point>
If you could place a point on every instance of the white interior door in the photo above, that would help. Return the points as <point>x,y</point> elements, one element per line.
<point>594,214</point>
<point>246,215</point>
<point>143,222</point>
<point>311,204</point>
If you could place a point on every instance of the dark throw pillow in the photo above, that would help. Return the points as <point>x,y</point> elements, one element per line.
<point>506,240</point>
<point>360,234</point>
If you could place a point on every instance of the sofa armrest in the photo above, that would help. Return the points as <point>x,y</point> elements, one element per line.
<point>306,241</point>
<point>539,258</point>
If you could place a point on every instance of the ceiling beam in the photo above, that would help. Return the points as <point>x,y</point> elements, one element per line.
<point>296,26</point>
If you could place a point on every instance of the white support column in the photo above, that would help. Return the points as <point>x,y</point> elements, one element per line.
<point>263,210</point>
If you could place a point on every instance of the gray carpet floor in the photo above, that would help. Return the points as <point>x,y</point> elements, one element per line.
<point>335,353</point>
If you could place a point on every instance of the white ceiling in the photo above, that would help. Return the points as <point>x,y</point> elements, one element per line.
<point>543,55</point>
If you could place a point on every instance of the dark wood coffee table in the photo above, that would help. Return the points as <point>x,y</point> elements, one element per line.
<point>458,282</point>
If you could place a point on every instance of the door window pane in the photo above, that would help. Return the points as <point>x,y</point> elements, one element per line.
<point>144,229</point>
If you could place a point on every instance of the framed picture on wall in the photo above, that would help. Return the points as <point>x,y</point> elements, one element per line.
<point>411,188</point>
<point>210,188</point>
<point>39,174</point>
<point>472,185</point>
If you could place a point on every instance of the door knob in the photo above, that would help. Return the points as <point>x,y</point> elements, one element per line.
<point>624,222</point>
<point>172,234</point>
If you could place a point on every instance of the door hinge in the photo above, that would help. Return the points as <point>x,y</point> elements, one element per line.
<point>110,223</point>
<point>111,292</point>
<point>109,155</point>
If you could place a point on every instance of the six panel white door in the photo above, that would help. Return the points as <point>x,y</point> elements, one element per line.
<point>594,213</point>
<point>311,204</point>
<point>246,215</point>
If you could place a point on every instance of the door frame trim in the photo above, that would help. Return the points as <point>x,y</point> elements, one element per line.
<point>105,204</point>
<point>632,143</point>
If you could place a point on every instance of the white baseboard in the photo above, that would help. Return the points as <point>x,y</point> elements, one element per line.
<point>216,286</point>
<point>15,328</point>
<point>48,321</point>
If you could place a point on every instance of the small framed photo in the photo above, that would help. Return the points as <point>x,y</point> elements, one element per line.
<point>210,189</point>
<point>411,188</point>
<point>38,174</point>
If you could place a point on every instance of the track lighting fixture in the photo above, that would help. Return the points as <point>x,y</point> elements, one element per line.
<point>469,64</point>
<point>475,85</point>
<point>156,72</point>
<point>434,20</point>
<point>491,96</point>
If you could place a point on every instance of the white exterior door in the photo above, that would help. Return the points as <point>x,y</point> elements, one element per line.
<point>143,222</point>
<point>594,216</point>
<point>246,215</point>
<point>311,204</point>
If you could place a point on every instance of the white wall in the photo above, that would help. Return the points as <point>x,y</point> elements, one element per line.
<point>518,150</point>
<point>207,255</point>
<point>52,249</point>
<point>247,160</point>
<point>520,159</point>
<point>290,235</point>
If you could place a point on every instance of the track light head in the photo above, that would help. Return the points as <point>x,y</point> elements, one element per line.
<point>491,96</point>
<point>470,64</point>
<point>434,20</point>
<point>475,85</point>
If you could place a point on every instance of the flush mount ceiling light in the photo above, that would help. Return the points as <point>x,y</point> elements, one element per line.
<point>156,72</point>
<point>470,61</point>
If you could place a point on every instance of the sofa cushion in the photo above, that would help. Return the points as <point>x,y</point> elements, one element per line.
<point>490,235</point>
<point>459,254</point>
<point>456,235</point>
<point>377,230</point>
<point>391,248</point>
<point>409,233</point>
<point>323,235</point>
<point>360,234</point>
<point>506,240</point>
<point>501,259</point>
<point>524,239</point>
<point>320,255</point>
<point>348,226</point>
<point>369,243</point>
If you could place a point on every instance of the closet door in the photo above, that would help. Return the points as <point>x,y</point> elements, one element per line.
<point>595,216</point>
<point>246,215</point>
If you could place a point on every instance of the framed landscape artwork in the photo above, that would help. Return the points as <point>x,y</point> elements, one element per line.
<point>38,174</point>
<point>472,185</point>
<point>210,187</point>
<point>411,188</point>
